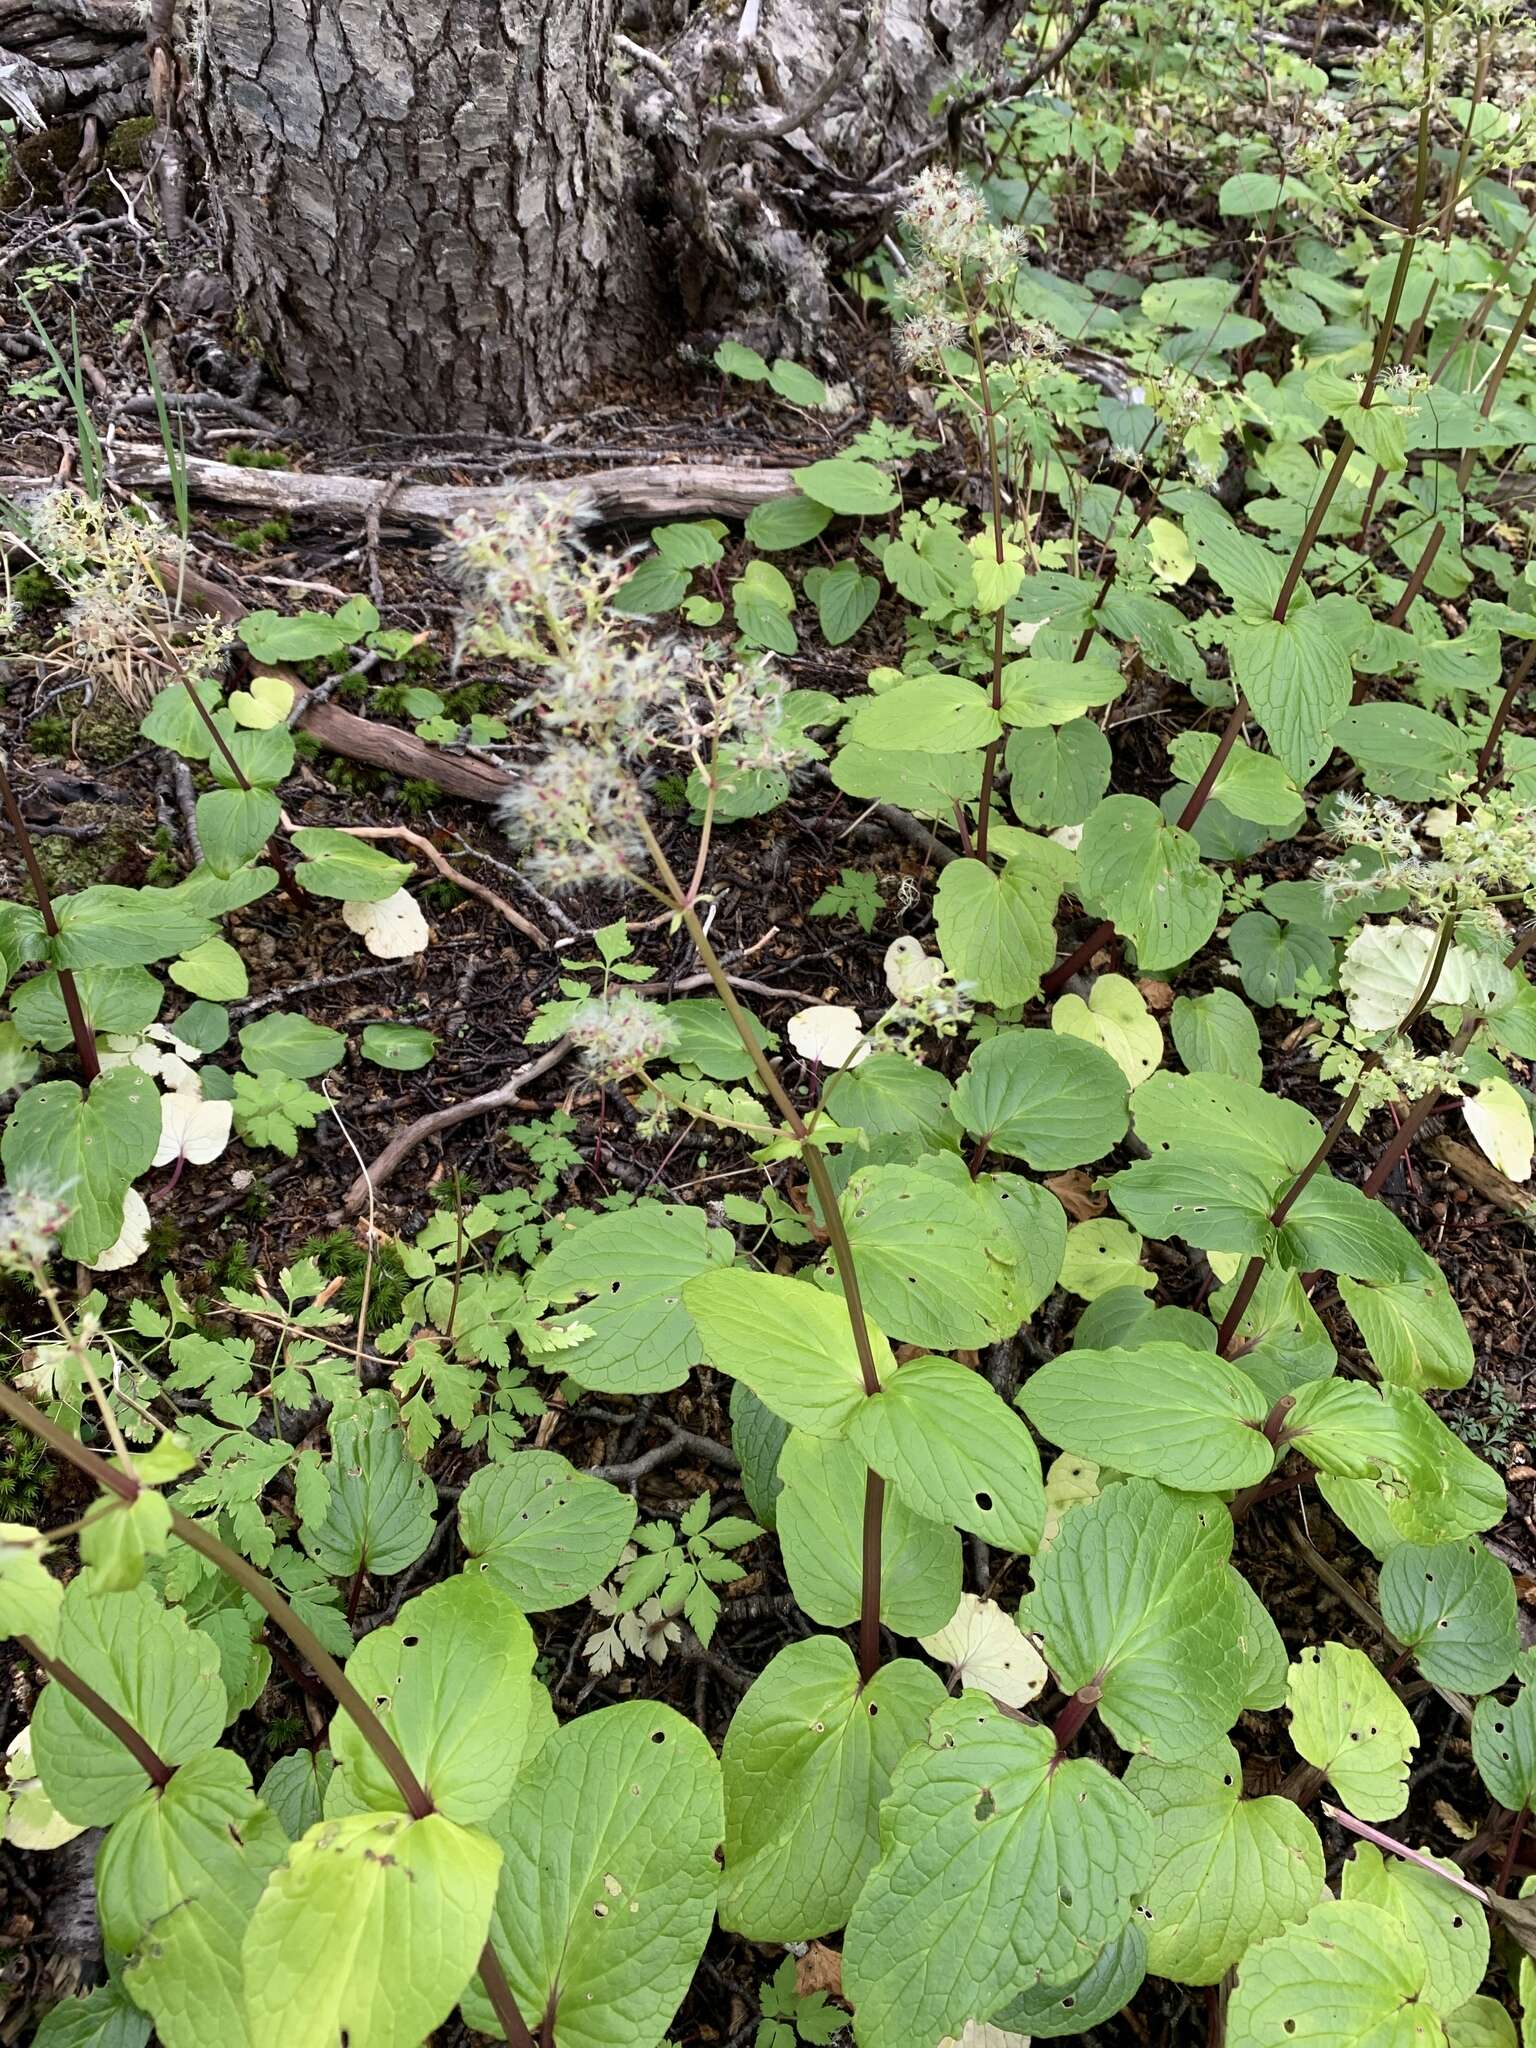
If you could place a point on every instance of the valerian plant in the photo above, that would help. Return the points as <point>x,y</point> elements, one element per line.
<point>1262,499</point>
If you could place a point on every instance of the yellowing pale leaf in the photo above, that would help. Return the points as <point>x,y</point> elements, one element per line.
<point>987,1651</point>
<point>1116,1017</point>
<point>1347,1720</point>
<point>831,1034</point>
<point>133,1241</point>
<point>191,1128</point>
<point>1499,1120</point>
<point>393,929</point>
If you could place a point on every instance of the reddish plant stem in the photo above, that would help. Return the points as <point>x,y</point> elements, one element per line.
<point>149,1761</point>
<point>837,1238</point>
<point>1200,796</point>
<point>1516,1830</point>
<point>418,1802</point>
<point>74,1009</point>
<point>1501,716</point>
<point>1075,1713</point>
<point>1419,1113</point>
<point>989,759</point>
<point>1426,561</point>
<point>1254,1270</point>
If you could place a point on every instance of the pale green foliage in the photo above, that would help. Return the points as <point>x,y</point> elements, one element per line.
<point>1196,552</point>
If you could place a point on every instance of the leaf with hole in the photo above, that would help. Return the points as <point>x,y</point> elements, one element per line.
<point>1448,1926</point>
<point>1001,1866</point>
<point>1345,1978</point>
<point>1454,1605</point>
<point>987,1651</point>
<point>542,1532</point>
<point>821,1535</point>
<point>609,1878</point>
<point>932,1259</point>
<point>952,1450</point>
<point>449,1678</point>
<point>1349,1722</point>
<point>807,1763</point>
<point>1229,1871</point>
<point>624,1275</point>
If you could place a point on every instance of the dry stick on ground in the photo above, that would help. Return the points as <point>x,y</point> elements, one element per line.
<point>659,490</point>
<point>504,1096</point>
<point>1484,1179</point>
<point>445,868</point>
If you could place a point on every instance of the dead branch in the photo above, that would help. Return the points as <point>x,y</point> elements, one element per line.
<point>446,869</point>
<point>658,490</point>
<point>1484,1179</point>
<point>404,1143</point>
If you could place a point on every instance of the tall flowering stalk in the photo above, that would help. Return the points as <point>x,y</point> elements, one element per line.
<point>618,712</point>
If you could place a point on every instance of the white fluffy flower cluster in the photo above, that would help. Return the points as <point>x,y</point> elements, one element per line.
<point>621,1033</point>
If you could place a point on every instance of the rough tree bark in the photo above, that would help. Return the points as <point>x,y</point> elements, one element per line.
<point>453,213</point>
<point>422,200</point>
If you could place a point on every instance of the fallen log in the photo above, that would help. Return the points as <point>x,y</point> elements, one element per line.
<point>343,732</point>
<point>659,490</point>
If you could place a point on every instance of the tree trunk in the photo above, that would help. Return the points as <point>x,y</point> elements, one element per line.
<point>449,214</point>
<point>422,202</point>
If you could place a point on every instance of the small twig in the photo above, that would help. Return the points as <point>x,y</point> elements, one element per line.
<point>400,1147</point>
<point>445,868</point>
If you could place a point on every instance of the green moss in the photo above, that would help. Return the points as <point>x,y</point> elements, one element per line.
<point>256,458</point>
<point>33,588</point>
<point>254,540</point>
<point>49,735</point>
<point>23,1475</point>
<point>417,798</point>
<point>125,145</point>
<point>108,731</point>
<point>441,895</point>
<point>340,1256</point>
<point>71,864</point>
